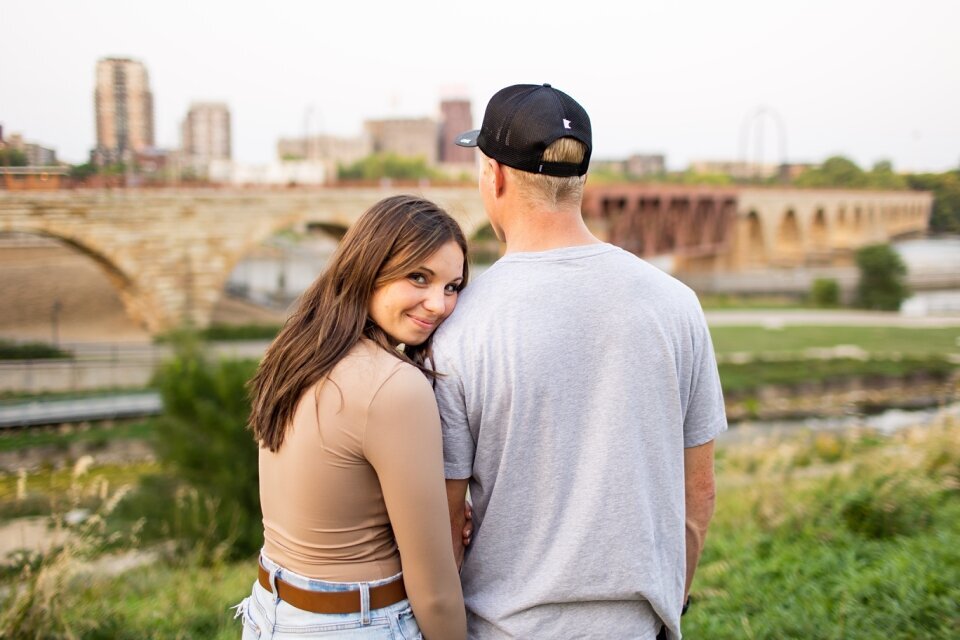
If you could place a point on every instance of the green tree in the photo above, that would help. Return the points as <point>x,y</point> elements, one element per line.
<point>203,437</point>
<point>83,171</point>
<point>12,158</point>
<point>882,176</point>
<point>946,198</point>
<point>386,165</point>
<point>882,284</point>
<point>825,292</point>
<point>836,171</point>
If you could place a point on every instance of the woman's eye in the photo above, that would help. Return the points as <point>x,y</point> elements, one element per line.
<point>419,278</point>
<point>452,288</point>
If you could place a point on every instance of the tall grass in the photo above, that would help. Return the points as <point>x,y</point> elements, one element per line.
<point>34,603</point>
<point>824,536</point>
<point>69,587</point>
<point>832,537</point>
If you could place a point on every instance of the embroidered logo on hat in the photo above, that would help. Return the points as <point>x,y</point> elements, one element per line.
<point>566,123</point>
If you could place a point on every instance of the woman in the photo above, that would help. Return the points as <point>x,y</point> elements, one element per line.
<point>351,469</point>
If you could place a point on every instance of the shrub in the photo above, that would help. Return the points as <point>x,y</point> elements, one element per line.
<point>825,292</point>
<point>202,436</point>
<point>241,332</point>
<point>886,508</point>
<point>29,351</point>
<point>882,283</point>
<point>227,332</point>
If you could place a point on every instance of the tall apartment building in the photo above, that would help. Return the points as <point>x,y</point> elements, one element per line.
<point>455,118</point>
<point>205,134</point>
<point>124,109</point>
<point>408,137</point>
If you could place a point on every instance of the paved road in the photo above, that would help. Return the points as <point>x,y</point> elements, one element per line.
<point>801,317</point>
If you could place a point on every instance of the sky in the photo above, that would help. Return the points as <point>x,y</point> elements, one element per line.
<point>870,80</point>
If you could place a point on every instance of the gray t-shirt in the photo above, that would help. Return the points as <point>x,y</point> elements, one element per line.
<point>574,380</point>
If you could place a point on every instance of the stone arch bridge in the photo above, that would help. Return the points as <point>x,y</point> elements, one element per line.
<point>169,252</point>
<point>736,229</point>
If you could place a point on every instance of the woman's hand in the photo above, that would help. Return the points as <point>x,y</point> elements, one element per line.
<point>468,525</point>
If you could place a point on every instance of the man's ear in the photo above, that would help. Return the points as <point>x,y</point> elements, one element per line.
<point>498,175</point>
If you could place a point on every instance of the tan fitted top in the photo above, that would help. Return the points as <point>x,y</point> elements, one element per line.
<point>359,474</point>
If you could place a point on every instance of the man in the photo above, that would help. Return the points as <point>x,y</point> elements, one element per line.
<point>579,400</point>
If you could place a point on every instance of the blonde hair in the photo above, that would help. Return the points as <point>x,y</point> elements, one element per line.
<point>551,190</point>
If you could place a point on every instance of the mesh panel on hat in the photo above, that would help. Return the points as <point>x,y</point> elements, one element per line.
<point>522,121</point>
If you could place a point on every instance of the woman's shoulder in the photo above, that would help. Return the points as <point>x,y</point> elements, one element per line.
<point>371,367</point>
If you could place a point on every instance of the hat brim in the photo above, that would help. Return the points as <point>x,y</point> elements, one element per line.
<point>467,139</point>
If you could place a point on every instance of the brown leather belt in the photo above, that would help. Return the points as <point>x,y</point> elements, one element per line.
<point>333,601</point>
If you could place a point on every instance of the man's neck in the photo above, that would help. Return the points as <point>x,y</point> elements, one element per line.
<point>531,232</point>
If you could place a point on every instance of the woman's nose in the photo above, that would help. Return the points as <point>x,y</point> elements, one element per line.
<point>433,301</point>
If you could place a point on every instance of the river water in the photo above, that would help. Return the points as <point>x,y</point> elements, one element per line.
<point>931,256</point>
<point>885,422</point>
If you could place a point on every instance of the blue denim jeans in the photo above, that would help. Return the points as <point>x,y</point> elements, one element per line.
<point>265,617</point>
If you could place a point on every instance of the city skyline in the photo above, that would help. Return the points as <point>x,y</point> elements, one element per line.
<point>867,80</point>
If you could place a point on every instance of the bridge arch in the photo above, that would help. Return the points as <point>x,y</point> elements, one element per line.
<point>138,303</point>
<point>788,247</point>
<point>483,245</point>
<point>250,244</point>
<point>753,243</point>
<point>842,230</point>
<point>819,232</point>
<point>333,229</point>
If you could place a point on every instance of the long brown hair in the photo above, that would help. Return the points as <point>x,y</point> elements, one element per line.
<point>389,240</point>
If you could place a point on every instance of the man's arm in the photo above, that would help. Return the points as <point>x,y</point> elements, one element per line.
<point>700,493</point>
<point>457,503</point>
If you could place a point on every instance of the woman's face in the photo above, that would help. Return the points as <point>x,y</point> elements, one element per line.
<point>410,308</point>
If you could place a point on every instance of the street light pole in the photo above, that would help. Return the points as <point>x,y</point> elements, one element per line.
<point>55,322</point>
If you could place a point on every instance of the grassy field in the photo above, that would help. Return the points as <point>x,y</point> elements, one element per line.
<point>873,340</point>
<point>835,538</point>
<point>94,436</point>
<point>721,301</point>
<point>178,600</point>
<point>18,397</point>
<point>821,536</point>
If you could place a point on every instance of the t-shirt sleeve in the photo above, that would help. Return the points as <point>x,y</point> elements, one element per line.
<point>402,442</point>
<point>705,417</point>
<point>458,443</point>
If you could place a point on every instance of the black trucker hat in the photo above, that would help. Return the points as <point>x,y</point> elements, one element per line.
<point>522,121</point>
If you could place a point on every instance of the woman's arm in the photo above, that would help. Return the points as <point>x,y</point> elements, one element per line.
<point>402,441</point>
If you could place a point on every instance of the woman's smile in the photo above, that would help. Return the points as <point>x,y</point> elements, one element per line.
<point>410,308</point>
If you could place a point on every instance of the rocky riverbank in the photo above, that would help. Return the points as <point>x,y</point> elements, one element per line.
<point>846,396</point>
